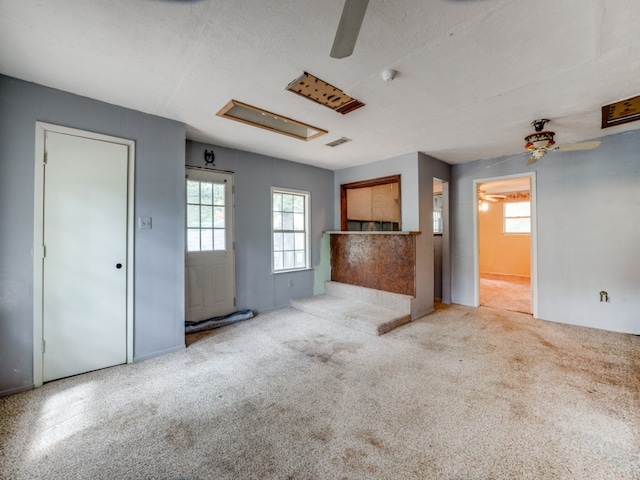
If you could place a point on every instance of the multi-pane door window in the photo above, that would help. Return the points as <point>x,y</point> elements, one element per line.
<point>517,217</point>
<point>290,211</point>
<point>205,216</point>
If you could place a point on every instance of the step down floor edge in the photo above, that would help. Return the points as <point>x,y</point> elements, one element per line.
<point>364,317</point>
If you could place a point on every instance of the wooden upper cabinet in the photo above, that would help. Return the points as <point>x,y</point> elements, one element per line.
<point>376,200</point>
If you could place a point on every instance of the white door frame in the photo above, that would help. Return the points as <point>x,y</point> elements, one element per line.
<point>38,236</point>
<point>534,238</point>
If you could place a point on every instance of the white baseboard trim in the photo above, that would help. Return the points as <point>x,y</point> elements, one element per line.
<point>157,354</point>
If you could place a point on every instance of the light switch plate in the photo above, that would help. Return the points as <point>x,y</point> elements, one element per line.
<point>144,223</point>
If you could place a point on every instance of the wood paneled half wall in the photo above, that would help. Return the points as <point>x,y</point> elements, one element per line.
<point>381,260</point>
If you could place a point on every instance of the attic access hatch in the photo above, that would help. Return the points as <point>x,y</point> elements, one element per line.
<point>313,88</point>
<point>257,117</point>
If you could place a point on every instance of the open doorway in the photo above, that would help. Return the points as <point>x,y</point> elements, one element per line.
<point>438,229</point>
<point>441,250</point>
<point>505,230</point>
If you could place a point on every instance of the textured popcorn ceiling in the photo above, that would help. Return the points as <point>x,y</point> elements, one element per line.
<point>472,73</point>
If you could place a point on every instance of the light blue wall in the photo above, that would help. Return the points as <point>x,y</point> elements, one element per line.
<point>254,175</point>
<point>428,169</point>
<point>588,211</point>
<point>159,183</point>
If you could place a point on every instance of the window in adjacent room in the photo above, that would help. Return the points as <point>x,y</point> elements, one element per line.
<point>290,229</point>
<point>517,217</point>
<point>437,214</point>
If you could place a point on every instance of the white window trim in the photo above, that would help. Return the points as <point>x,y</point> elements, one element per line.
<point>307,215</point>
<point>504,218</point>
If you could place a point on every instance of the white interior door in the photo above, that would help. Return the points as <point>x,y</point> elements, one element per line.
<point>210,262</point>
<point>84,297</point>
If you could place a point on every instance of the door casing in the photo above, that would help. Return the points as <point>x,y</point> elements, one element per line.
<point>38,230</point>
<point>534,238</point>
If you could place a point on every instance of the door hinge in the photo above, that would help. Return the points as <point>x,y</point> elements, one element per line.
<point>44,160</point>
<point>234,301</point>
<point>44,251</point>
<point>44,346</point>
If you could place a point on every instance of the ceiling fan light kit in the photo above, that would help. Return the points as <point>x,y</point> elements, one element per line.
<point>540,138</point>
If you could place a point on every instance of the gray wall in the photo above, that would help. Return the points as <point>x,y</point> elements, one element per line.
<point>437,266</point>
<point>254,175</point>
<point>588,223</point>
<point>428,169</point>
<point>159,258</point>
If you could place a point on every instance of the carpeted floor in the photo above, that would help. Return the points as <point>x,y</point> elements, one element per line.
<point>463,393</point>
<point>506,292</point>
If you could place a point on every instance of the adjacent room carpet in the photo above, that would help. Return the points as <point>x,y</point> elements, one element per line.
<point>463,393</point>
<point>506,292</point>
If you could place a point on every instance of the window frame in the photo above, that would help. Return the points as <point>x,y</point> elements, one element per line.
<point>200,228</point>
<point>307,232</point>
<point>438,219</point>
<point>505,217</point>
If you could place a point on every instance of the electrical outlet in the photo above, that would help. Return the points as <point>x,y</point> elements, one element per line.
<point>144,223</point>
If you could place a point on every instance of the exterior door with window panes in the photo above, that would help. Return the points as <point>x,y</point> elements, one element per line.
<point>210,262</point>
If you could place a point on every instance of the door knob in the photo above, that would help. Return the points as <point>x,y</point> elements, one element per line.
<point>118,265</point>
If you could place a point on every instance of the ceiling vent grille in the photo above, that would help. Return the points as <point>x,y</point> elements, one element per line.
<point>338,142</point>
<point>319,91</point>
<point>621,112</point>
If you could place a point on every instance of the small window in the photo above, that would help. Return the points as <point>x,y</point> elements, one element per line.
<point>205,216</point>
<point>437,214</point>
<point>517,217</point>
<point>290,229</point>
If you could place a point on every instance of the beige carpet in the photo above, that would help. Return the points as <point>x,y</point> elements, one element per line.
<point>506,292</point>
<point>461,394</point>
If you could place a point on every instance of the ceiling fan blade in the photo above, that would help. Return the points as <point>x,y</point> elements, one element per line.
<point>349,28</point>
<point>489,199</point>
<point>578,146</point>
<point>532,159</point>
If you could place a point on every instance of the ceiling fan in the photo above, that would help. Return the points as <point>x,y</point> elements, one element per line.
<point>540,142</point>
<point>482,196</point>
<point>348,28</point>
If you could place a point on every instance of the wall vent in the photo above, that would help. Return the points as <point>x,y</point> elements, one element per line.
<point>339,141</point>
<point>313,88</point>
<point>257,117</point>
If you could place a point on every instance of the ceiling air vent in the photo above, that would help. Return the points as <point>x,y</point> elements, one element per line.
<point>257,117</point>
<point>621,112</point>
<point>339,141</point>
<point>323,93</point>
